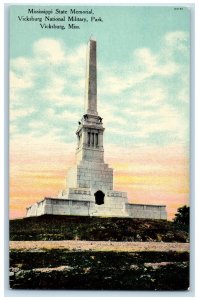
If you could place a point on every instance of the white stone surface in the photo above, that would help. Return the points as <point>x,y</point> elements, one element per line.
<point>110,208</point>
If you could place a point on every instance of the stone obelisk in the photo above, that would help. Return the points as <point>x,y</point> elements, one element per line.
<point>91,78</point>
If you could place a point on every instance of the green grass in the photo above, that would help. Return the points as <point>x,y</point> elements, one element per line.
<point>51,227</point>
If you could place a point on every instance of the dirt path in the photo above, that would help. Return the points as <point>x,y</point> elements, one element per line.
<point>99,246</point>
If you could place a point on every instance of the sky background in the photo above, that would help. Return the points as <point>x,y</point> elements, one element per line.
<point>143,97</point>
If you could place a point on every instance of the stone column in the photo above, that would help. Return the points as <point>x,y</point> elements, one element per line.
<point>94,140</point>
<point>100,139</point>
<point>89,139</point>
<point>84,141</point>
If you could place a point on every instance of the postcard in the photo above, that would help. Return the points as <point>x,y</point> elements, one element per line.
<point>99,108</point>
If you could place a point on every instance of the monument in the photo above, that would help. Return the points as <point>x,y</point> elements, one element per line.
<point>90,189</point>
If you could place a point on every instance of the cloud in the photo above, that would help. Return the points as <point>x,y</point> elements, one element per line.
<point>77,56</point>
<point>36,124</point>
<point>137,100</point>
<point>49,50</point>
<point>18,81</point>
<point>20,113</point>
<point>177,40</point>
<point>50,81</point>
<point>58,92</point>
<point>146,64</point>
<point>146,59</point>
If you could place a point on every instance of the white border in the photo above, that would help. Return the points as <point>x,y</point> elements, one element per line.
<point>3,220</point>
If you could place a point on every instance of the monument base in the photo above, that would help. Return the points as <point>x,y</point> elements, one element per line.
<point>115,205</point>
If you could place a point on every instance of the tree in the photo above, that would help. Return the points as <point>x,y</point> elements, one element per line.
<point>182,216</point>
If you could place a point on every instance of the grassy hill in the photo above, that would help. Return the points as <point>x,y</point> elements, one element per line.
<point>52,227</point>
